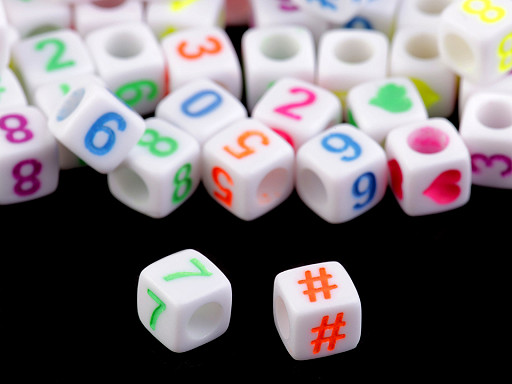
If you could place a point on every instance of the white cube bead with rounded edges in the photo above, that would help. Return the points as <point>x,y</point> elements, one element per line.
<point>341,173</point>
<point>5,50</point>
<point>51,56</point>
<point>160,173</point>
<point>37,16</point>
<point>166,17</point>
<point>130,60</point>
<point>268,13</point>
<point>11,90</point>
<point>376,15</point>
<point>414,54</point>
<point>248,168</point>
<point>420,13</point>
<point>184,300</point>
<point>317,310</point>
<point>348,57</point>
<point>475,39</point>
<point>29,160</point>
<point>208,52</point>
<point>379,106</point>
<point>270,53</point>
<point>97,127</point>
<point>202,108</point>
<point>90,16</point>
<point>335,11</point>
<point>429,167</point>
<point>297,110</point>
<point>486,128</point>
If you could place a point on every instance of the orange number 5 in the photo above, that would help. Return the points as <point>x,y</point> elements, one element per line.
<point>246,150</point>
<point>214,47</point>
<point>227,196</point>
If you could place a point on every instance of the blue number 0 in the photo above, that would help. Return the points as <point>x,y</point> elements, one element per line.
<point>369,190</point>
<point>347,144</point>
<point>100,125</point>
<point>214,103</point>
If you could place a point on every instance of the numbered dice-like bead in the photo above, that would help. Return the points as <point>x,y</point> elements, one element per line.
<point>297,110</point>
<point>202,52</point>
<point>97,127</point>
<point>29,162</point>
<point>160,173</point>
<point>379,106</point>
<point>317,310</point>
<point>341,173</point>
<point>130,61</point>
<point>202,108</point>
<point>350,57</point>
<point>486,128</point>
<point>11,91</point>
<point>49,57</point>
<point>248,168</point>
<point>335,11</point>
<point>270,53</point>
<point>184,300</point>
<point>475,39</point>
<point>429,167</point>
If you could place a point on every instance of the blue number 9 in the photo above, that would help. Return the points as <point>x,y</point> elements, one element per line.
<point>359,189</point>
<point>100,126</point>
<point>347,144</point>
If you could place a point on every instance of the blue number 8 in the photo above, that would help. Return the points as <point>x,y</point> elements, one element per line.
<point>369,191</point>
<point>186,106</point>
<point>100,126</point>
<point>347,143</point>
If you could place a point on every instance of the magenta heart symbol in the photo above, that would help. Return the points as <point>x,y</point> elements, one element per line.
<point>396,178</point>
<point>444,189</point>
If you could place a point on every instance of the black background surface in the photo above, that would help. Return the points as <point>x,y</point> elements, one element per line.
<point>434,289</point>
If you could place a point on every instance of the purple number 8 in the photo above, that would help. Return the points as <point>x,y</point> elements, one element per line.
<point>18,133</point>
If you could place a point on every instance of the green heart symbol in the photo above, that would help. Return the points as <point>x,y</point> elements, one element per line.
<point>392,98</point>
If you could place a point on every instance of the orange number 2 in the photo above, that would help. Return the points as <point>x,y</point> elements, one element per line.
<point>213,47</point>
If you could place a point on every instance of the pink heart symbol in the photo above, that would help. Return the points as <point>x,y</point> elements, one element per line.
<point>396,178</point>
<point>444,188</point>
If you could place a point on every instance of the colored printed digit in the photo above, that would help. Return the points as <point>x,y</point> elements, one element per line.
<point>360,23</point>
<point>246,150</point>
<point>211,99</point>
<point>183,183</point>
<point>330,142</point>
<point>158,310</point>
<point>100,126</point>
<point>56,62</point>
<point>505,53</point>
<point>489,162</point>
<point>24,179</point>
<point>286,5</point>
<point>487,11</point>
<point>225,195</point>
<point>18,133</point>
<point>135,90</point>
<point>160,146</point>
<point>179,5</point>
<point>286,109</point>
<point>326,4</point>
<point>214,47</point>
<point>202,271</point>
<point>365,185</point>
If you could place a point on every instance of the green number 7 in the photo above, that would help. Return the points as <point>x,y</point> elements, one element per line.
<point>158,310</point>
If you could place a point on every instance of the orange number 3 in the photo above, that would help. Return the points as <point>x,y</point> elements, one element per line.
<point>213,47</point>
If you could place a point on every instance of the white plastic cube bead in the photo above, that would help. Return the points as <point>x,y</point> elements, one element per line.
<point>248,168</point>
<point>202,108</point>
<point>421,13</point>
<point>297,110</point>
<point>317,310</point>
<point>414,54</point>
<point>208,52</point>
<point>475,39</point>
<point>160,173</point>
<point>486,128</point>
<point>341,173</point>
<point>5,49</point>
<point>429,167</point>
<point>97,127</point>
<point>270,53</point>
<point>379,106</point>
<point>130,60</point>
<point>11,91</point>
<point>29,162</point>
<point>348,57</point>
<point>92,15</point>
<point>49,57</point>
<point>165,17</point>
<point>335,11</point>
<point>184,300</point>
<point>379,15</point>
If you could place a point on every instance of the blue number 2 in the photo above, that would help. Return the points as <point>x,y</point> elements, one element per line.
<point>329,143</point>
<point>365,185</point>
<point>100,125</point>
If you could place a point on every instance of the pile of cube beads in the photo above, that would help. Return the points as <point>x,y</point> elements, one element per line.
<point>337,99</point>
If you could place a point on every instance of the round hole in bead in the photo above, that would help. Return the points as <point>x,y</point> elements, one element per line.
<point>311,186</point>
<point>282,318</point>
<point>279,47</point>
<point>432,7</point>
<point>459,52</point>
<point>205,320</point>
<point>70,104</point>
<point>132,185</point>
<point>272,186</point>
<point>423,46</point>
<point>107,3</point>
<point>124,45</point>
<point>428,140</point>
<point>496,114</point>
<point>354,51</point>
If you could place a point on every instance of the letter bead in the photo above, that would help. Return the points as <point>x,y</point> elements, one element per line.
<point>317,310</point>
<point>184,300</point>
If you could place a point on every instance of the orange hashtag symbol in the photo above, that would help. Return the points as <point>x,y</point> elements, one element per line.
<point>325,288</point>
<point>335,335</point>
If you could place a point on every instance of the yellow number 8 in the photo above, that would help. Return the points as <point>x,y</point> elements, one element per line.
<point>485,9</point>
<point>505,53</point>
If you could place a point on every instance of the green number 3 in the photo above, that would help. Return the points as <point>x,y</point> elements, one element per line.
<point>56,62</point>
